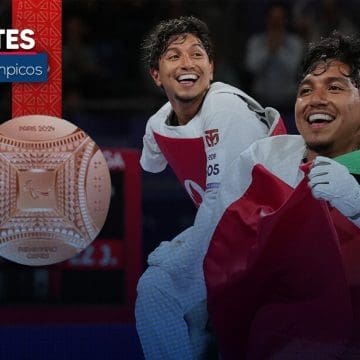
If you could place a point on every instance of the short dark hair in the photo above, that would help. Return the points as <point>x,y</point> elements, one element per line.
<point>345,48</point>
<point>156,42</point>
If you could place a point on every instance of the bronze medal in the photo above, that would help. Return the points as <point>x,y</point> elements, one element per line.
<point>54,190</point>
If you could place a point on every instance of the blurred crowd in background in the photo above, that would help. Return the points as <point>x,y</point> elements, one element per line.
<point>258,47</point>
<point>103,74</point>
<point>106,91</point>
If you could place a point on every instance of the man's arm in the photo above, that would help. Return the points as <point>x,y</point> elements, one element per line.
<point>152,159</point>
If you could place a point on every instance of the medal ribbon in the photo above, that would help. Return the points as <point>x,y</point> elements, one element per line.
<point>44,18</point>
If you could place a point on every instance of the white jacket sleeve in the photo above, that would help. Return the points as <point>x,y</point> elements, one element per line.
<point>152,159</point>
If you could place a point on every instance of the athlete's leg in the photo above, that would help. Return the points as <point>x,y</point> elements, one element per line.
<point>161,305</point>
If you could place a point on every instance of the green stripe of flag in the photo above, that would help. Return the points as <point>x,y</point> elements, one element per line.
<point>351,161</point>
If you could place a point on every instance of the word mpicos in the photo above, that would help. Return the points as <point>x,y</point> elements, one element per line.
<point>14,39</point>
<point>17,63</point>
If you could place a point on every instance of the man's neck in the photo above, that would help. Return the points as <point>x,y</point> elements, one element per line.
<point>184,117</point>
<point>184,111</point>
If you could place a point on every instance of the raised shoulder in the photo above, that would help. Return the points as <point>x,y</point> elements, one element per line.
<point>222,88</point>
<point>159,118</point>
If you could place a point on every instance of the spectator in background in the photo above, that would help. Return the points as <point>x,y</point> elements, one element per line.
<point>80,63</point>
<point>332,17</point>
<point>272,60</point>
<point>315,19</point>
<point>304,15</point>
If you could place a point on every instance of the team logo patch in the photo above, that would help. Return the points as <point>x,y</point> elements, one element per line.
<point>212,137</point>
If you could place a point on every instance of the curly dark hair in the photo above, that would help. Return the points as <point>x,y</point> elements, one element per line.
<point>156,42</point>
<point>337,46</point>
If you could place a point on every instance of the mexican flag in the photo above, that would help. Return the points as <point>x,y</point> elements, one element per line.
<point>281,287</point>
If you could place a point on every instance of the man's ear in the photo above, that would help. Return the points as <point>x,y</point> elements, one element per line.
<point>156,76</point>
<point>212,71</point>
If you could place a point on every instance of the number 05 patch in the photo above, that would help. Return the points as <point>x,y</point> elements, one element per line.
<point>214,166</point>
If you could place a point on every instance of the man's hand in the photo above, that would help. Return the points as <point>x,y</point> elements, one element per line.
<point>332,181</point>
